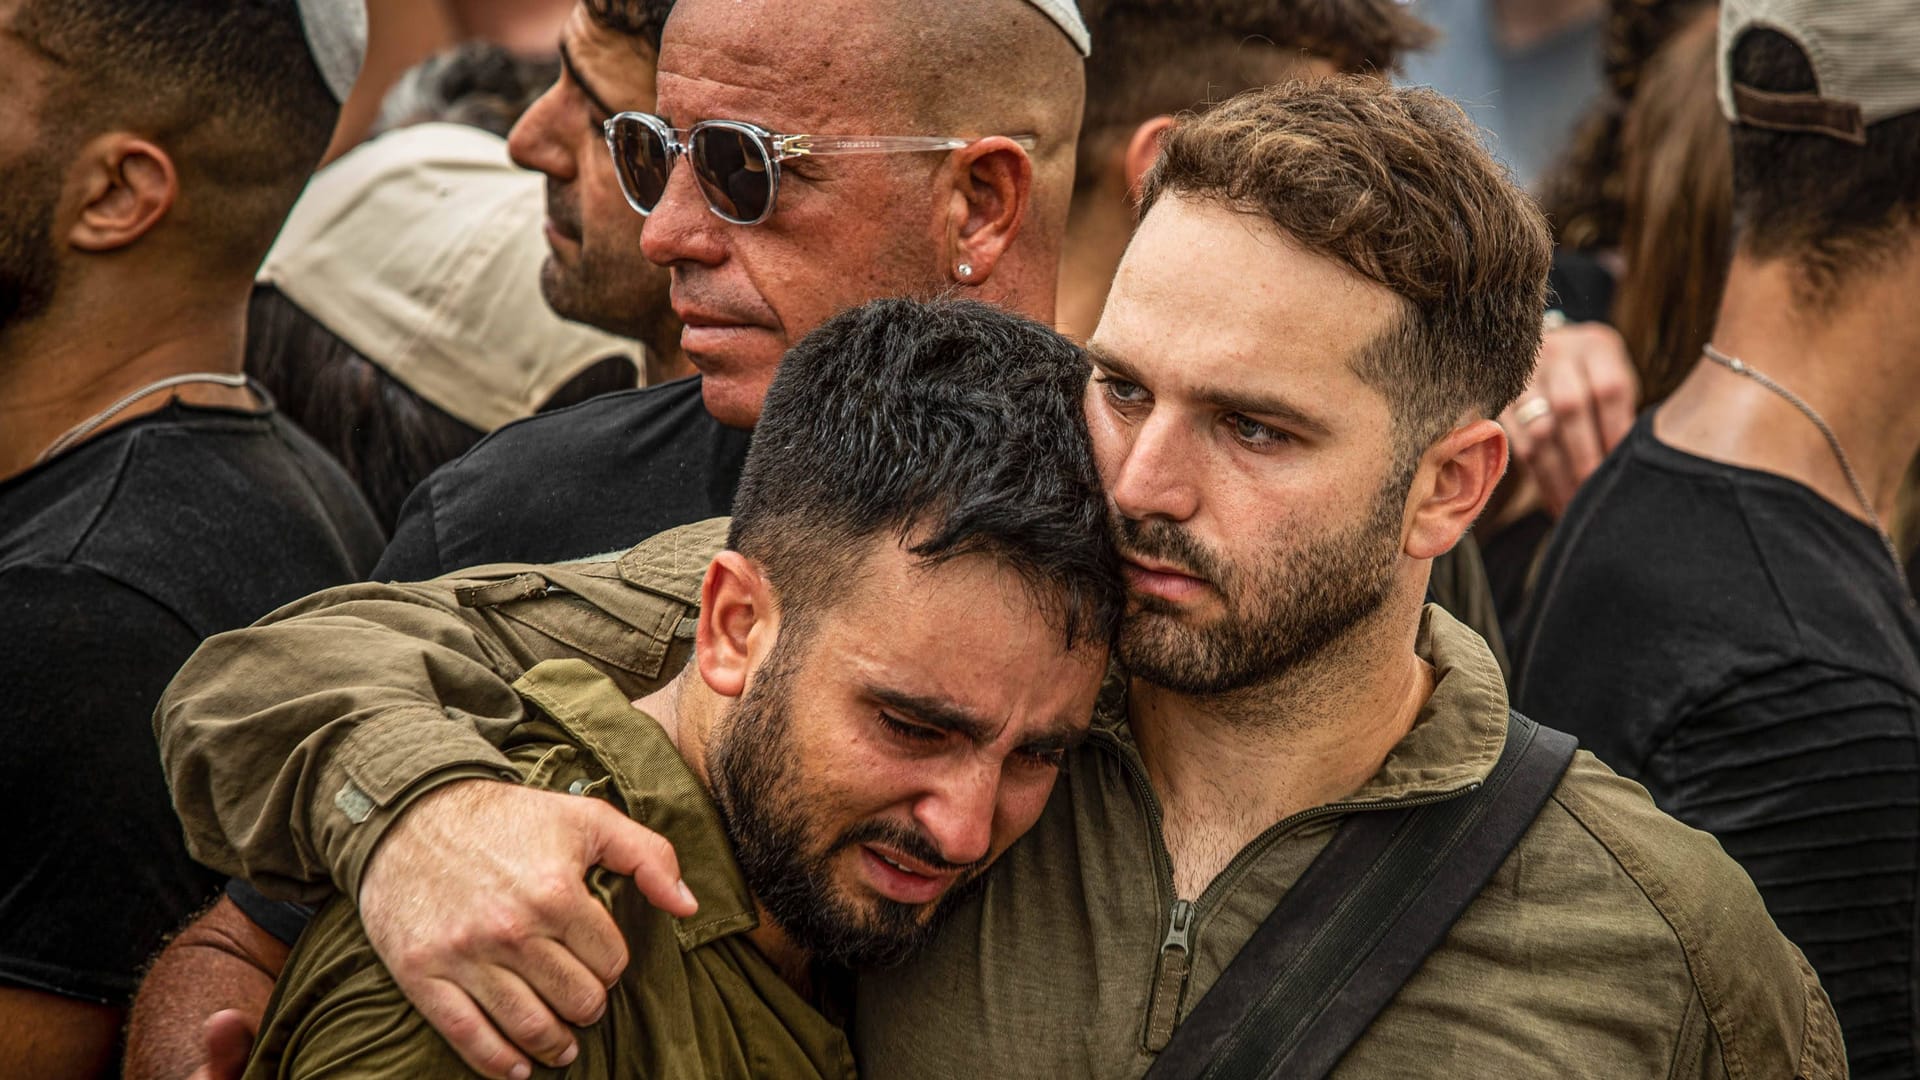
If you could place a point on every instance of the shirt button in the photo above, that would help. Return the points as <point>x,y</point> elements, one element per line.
<point>577,787</point>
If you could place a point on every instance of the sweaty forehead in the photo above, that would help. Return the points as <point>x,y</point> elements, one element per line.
<point>788,65</point>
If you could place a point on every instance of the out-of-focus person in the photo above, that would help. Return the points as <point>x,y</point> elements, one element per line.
<point>399,316</point>
<point>1154,60</point>
<point>403,34</point>
<point>1722,615</point>
<point>1668,231</point>
<point>985,218</point>
<point>149,495</point>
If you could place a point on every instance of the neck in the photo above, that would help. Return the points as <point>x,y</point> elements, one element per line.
<point>1856,362</point>
<point>686,709</point>
<point>66,366</point>
<point>1098,228</point>
<point>1312,735</point>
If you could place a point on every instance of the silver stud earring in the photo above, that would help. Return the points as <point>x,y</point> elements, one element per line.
<point>965,270</point>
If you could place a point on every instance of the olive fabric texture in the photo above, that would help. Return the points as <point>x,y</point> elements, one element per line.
<point>1614,942</point>
<point>696,998</point>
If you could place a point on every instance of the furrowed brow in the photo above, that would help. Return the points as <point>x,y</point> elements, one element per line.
<point>936,713</point>
<point>586,88</point>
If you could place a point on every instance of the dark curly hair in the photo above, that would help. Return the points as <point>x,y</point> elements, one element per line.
<point>643,19</point>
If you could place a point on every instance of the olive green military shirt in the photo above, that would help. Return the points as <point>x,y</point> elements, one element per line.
<point>696,1000</point>
<point>1615,942</point>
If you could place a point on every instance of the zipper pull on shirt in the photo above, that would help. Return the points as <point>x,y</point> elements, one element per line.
<point>1170,982</point>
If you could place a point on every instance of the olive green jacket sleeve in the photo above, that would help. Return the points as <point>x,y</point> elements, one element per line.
<point>292,745</point>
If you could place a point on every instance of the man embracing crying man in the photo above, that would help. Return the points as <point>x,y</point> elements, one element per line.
<point>888,672</point>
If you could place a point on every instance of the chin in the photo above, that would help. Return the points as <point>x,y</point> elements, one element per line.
<point>733,401</point>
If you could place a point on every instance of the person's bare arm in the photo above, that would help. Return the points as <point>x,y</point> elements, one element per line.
<point>1577,408</point>
<point>221,960</point>
<point>44,1034</point>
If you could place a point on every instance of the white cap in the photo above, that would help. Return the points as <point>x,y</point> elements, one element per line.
<point>1865,56</point>
<point>422,250</point>
<point>1065,15</point>
<point>337,36</point>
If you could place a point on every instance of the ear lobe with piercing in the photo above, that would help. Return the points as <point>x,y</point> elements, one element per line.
<point>965,270</point>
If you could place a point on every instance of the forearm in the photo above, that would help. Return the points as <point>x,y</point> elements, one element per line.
<point>221,960</point>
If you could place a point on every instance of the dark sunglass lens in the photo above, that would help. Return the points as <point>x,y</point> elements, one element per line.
<point>641,160</point>
<point>733,171</point>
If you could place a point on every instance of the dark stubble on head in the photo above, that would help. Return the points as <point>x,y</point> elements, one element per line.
<point>1282,611</point>
<point>768,808</point>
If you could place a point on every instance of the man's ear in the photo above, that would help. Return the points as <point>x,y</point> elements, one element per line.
<point>992,185</point>
<point>1143,149</point>
<point>1456,476</point>
<point>738,622</point>
<point>126,185</point>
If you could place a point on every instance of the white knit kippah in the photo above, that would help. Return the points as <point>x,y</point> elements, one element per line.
<point>1066,15</point>
<point>337,37</point>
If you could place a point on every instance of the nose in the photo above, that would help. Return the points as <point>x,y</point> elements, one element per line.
<point>1154,474</point>
<point>958,816</point>
<point>681,228</point>
<point>533,144</point>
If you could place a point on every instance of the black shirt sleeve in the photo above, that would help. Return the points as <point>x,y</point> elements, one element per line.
<point>106,874</point>
<point>1808,777</point>
<point>414,552</point>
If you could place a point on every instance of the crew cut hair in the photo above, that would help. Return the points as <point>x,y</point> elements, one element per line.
<point>950,426</point>
<point>228,88</point>
<point>1394,184</point>
<point>1159,57</point>
<point>1833,208</point>
<point>643,19</point>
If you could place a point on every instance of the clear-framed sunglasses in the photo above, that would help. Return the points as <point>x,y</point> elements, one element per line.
<point>737,164</point>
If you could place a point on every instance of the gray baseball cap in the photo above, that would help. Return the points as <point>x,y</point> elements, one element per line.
<point>1865,56</point>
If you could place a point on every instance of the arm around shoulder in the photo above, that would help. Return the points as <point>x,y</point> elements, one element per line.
<point>291,745</point>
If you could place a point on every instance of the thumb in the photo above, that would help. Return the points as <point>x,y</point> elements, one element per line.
<point>625,846</point>
<point>228,1035</point>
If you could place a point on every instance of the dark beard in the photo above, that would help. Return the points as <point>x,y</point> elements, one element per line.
<point>764,801</point>
<point>27,269</point>
<point>1280,613</point>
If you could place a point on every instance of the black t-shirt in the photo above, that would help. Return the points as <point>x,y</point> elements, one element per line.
<point>116,559</point>
<point>600,476</point>
<point>1743,648</point>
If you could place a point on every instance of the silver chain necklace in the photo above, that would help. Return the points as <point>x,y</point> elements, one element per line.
<point>92,423</point>
<point>1741,367</point>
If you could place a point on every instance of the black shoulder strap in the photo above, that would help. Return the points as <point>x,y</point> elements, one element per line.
<point>1379,898</point>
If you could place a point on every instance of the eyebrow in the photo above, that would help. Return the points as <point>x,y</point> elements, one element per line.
<point>948,717</point>
<point>1252,404</point>
<point>586,88</point>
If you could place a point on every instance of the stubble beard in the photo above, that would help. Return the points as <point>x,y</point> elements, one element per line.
<point>28,271</point>
<point>1281,613</point>
<point>768,808</point>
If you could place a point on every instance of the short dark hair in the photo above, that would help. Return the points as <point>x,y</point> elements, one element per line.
<point>1832,207</point>
<point>643,19</point>
<point>951,424</point>
<point>1395,184</point>
<point>229,88</point>
<point>1161,57</point>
